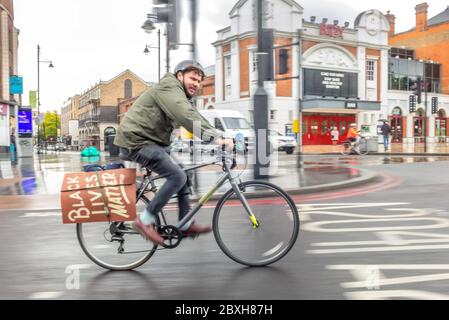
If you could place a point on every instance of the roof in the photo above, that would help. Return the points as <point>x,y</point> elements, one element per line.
<point>439,18</point>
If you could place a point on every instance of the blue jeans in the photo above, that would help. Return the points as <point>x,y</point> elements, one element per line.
<point>157,159</point>
<point>386,142</point>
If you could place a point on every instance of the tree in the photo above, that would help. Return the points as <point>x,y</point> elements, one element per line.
<point>49,127</point>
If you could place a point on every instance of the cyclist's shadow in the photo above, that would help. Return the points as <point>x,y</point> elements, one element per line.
<point>269,282</point>
<point>122,285</point>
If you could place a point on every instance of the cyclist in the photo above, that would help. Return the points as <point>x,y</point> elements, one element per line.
<point>144,136</point>
<point>354,137</point>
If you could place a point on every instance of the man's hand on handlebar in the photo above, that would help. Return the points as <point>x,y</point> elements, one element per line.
<point>229,143</point>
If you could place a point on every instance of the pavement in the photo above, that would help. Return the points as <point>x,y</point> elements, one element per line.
<point>34,183</point>
<point>416,149</point>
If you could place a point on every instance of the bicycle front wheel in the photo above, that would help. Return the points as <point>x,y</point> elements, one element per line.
<point>276,234</point>
<point>363,147</point>
<point>115,245</point>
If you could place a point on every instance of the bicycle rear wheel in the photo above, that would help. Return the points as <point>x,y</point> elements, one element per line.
<point>115,245</point>
<point>278,224</point>
<point>346,148</point>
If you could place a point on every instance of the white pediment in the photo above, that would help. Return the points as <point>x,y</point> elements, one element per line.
<point>328,56</point>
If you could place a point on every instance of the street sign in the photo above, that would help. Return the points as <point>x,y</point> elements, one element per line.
<point>434,105</point>
<point>412,103</point>
<point>15,85</point>
<point>32,98</point>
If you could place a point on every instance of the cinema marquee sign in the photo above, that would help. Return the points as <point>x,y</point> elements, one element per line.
<point>330,83</point>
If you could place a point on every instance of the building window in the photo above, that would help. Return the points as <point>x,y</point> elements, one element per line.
<point>402,53</point>
<point>227,76</point>
<point>370,70</point>
<point>228,90</point>
<point>403,75</point>
<point>290,115</point>
<point>128,89</point>
<point>273,115</point>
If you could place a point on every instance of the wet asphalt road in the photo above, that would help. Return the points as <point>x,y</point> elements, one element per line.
<point>381,243</point>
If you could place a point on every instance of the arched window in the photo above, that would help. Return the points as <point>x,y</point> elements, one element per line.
<point>397,111</point>
<point>128,89</point>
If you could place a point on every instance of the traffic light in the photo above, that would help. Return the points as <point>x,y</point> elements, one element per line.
<point>283,61</point>
<point>267,57</point>
<point>418,90</point>
<point>434,105</point>
<point>169,11</point>
<point>412,103</point>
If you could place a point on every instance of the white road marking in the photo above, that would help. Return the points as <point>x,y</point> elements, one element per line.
<point>46,295</point>
<point>40,214</point>
<point>378,249</point>
<point>389,294</point>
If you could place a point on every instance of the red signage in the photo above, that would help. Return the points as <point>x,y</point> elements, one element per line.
<point>331,30</point>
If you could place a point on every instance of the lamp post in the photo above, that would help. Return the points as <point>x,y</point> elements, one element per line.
<point>147,51</point>
<point>148,26</point>
<point>50,65</point>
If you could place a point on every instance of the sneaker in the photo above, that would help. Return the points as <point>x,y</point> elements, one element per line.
<point>196,229</point>
<point>148,232</point>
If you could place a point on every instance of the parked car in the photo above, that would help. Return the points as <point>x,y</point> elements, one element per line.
<point>280,142</point>
<point>60,146</point>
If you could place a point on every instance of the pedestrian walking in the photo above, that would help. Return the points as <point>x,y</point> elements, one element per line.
<point>335,135</point>
<point>385,129</point>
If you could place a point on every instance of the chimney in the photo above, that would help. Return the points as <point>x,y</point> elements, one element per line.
<point>421,16</point>
<point>391,21</point>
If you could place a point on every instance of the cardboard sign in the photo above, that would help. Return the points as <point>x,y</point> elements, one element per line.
<point>108,195</point>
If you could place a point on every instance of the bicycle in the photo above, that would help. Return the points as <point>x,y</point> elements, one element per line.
<point>254,223</point>
<point>349,146</point>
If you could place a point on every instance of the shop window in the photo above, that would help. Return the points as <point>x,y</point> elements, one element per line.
<point>324,128</point>
<point>314,126</point>
<point>342,127</point>
<point>305,126</point>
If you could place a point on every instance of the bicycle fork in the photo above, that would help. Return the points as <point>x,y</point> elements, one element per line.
<point>245,203</point>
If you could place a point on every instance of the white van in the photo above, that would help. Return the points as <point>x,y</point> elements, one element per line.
<point>230,122</point>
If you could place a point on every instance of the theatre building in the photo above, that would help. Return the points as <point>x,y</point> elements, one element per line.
<point>342,68</point>
<point>344,76</point>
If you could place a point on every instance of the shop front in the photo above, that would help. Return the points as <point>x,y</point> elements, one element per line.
<point>441,127</point>
<point>317,127</point>
<point>397,125</point>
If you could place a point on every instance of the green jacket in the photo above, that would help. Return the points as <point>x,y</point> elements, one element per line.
<point>157,112</point>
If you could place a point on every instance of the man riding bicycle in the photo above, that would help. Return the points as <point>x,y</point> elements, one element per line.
<point>144,137</point>
<point>354,137</point>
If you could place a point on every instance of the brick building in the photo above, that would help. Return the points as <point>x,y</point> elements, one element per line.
<point>98,108</point>
<point>8,66</point>
<point>419,54</point>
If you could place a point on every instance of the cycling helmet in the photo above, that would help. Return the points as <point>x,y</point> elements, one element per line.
<point>188,65</point>
<point>353,125</point>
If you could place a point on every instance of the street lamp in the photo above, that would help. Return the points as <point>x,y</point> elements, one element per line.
<point>147,49</point>
<point>148,27</point>
<point>50,65</point>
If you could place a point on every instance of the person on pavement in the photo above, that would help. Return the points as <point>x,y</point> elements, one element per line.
<point>144,137</point>
<point>385,129</point>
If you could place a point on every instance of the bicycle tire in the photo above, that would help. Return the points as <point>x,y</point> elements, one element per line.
<point>225,224</point>
<point>363,146</point>
<point>147,254</point>
<point>346,148</point>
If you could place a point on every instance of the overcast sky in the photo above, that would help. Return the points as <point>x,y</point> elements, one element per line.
<point>93,40</point>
